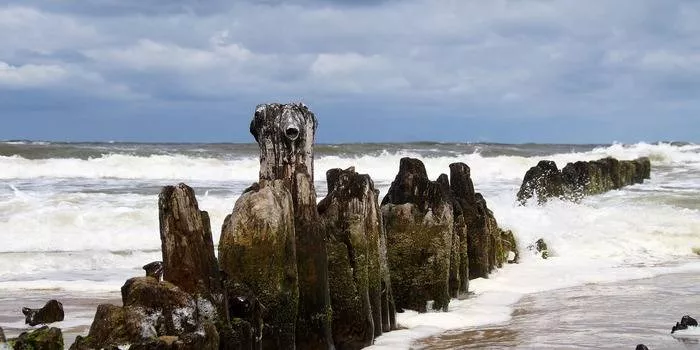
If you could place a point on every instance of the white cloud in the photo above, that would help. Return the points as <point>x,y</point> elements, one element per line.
<point>667,60</point>
<point>24,28</point>
<point>30,75</point>
<point>147,54</point>
<point>346,63</point>
<point>541,57</point>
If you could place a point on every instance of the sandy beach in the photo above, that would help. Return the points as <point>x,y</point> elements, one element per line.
<point>79,310</point>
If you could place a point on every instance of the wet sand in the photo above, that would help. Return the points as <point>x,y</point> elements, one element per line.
<point>596,316</point>
<point>79,310</point>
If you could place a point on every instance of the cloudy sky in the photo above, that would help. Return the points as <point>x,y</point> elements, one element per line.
<point>393,70</point>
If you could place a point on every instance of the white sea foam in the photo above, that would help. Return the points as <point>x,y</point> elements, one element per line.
<point>382,167</point>
<point>692,332</point>
<point>32,222</point>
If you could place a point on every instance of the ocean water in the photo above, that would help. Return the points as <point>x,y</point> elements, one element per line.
<point>78,219</point>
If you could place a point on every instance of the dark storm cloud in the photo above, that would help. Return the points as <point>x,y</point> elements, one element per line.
<point>442,62</point>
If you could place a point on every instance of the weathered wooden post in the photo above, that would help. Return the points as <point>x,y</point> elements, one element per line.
<point>418,216</point>
<point>285,134</point>
<point>188,250</point>
<point>353,223</point>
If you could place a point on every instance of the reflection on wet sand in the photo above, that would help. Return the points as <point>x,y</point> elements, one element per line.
<point>595,316</point>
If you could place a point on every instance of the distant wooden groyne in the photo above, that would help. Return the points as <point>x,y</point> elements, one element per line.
<point>580,179</point>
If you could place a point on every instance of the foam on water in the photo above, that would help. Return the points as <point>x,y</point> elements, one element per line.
<point>87,221</point>
<point>74,225</point>
<point>381,167</point>
<point>692,332</point>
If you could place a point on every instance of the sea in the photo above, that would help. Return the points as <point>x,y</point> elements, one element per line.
<point>78,219</point>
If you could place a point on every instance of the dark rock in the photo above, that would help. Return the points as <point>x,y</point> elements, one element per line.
<point>151,309</point>
<point>542,181</point>
<point>154,269</point>
<point>2,336</point>
<point>285,135</point>
<point>43,338</point>
<point>51,312</point>
<point>354,227</point>
<point>258,249</point>
<point>686,321</point>
<point>188,250</point>
<point>641,347</point>
<point>148,292</point>
<point>207,339</point>
<point>113,326</point>
<point>419,223</point>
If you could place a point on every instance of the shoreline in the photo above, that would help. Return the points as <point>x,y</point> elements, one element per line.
<point>494,300</point>
<point>616,315</point>
<point>79,310</point>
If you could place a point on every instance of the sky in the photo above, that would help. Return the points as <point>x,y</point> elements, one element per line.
<point>566,71</point>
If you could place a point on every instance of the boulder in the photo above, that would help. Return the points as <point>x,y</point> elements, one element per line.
<point>542,182</point>
<point>148,292</point>
<point>49,313</point>
<point>43,338</point>
<point>353,223</point>
<point>419,225</point>
<point>114,326</point>
<point>257,249</point>
<point>641,347</point>
<point>151,309</point>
